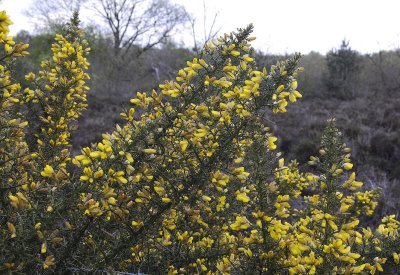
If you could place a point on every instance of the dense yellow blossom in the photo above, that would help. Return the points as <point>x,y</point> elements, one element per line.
<point>192,183</point>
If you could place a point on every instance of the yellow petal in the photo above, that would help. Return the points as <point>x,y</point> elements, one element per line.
<point>183,144</point>
<point>43,249</point>
<point>242,197</point>
<point>166,200</point>
<point>149,151</point>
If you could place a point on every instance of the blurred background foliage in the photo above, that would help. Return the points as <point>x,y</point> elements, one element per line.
<point>362,91</point>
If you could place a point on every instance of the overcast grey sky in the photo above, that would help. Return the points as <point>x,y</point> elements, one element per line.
<point>286,26</point>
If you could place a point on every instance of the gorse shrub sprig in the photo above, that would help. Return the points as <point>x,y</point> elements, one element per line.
<point>191,183</point>
<point>36,181</point>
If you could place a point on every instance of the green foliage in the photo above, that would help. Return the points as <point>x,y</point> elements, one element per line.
<point>343,68</point>
<point>372,132</point>
<point>191,182</point>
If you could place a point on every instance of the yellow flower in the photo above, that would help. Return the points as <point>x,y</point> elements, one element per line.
<point>230,68</point>
<point>149,151</point>
<point>183,144</point>
<point>240,223</point>
<point>242,197</point>
<point>166,200</point>
<point>206,198</point>
<point>50,261</point>
<point>347,166</point>
<point>48,171</point>
<point>247,58</point>
<point>98,174</point>
<point>396,257</point>
<point>235,53</point>
<point>358,269</point>
<point>271,142</point>
<point>248,252</point>
<point>280,89</point>
<point>43,248</point>
<point>294,249</point>
<point>12,230</point>
<point>112,201</point>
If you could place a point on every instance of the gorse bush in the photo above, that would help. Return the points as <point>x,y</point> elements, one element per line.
<point>191,183</point>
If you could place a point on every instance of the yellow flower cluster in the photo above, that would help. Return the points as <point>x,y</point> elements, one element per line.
<point>34,159</point>
<point>192,183</point>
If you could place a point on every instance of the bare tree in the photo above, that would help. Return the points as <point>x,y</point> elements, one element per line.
<point>147,23</point>
<point>208,30</point>
<point>47,13</point>
<point>130,22</point>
